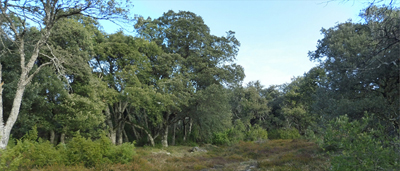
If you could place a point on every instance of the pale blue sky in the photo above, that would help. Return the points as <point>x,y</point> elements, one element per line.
<point>275,36</point>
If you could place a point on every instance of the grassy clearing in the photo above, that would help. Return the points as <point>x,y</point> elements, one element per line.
<point>267,155</point>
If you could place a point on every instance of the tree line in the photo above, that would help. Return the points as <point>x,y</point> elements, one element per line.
<point>175,82</point>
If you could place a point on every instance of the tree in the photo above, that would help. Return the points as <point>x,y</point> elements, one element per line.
<point>362,67</point>
<point>123,69</point>
<point>250,105</point>
<point>204,60</point>
<point>15,16</point>
<point>298,98</point>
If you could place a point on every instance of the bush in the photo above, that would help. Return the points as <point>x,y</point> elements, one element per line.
<point>237,132</point>
<point>357,147</point>
<point>102,151</point>
<point>81,150</point>
<point>221,138</point>
<point>122,154</point>
<point>29,153</point>
<point>291,133</point>
<point>257,133</point>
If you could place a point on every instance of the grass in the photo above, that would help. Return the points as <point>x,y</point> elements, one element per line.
<point>268,155</point>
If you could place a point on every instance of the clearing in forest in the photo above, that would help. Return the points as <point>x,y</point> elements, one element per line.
<point>244,156</point>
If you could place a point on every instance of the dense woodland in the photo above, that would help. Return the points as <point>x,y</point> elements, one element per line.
<point>174,83</point>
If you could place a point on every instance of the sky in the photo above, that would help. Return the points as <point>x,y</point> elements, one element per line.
<point>275,36</point>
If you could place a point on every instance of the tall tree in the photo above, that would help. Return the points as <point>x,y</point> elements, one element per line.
<point>205,59</point>
<point>15,16</point>
<point>362,67</point>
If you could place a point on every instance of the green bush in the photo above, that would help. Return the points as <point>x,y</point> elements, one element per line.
<point>102,151</point>
<point>221,138</point>
<point>257,133</point>
<point>273,134</point>
<point>355,146</point>
<point>29,153</point>
<point>291,133</point>
<point>237,132</point>
<point>84,151</point>
<point>122,154</point>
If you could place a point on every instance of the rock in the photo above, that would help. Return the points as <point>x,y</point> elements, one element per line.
<point>197,149</point>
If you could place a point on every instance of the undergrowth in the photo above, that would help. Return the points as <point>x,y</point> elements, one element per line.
<point>32,152</point>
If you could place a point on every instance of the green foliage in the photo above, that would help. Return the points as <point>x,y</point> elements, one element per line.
<point>212,113</point>
<point>29,153</point>
<point>356,146</point>
<point>361,63</point>
<point>221,138</point>
<point>122,153</point>
<point>82,150</point>
<point>290,133</point>
<point>297,100</point>
<point>239,133</point>
<point>91,153</point>
<point>256,133</point>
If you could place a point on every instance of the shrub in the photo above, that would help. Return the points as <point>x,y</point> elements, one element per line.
<point>273,134</point>
<point>237,132</point>
<point>28,153</point>
<point>101,151</point>
<point>82,150</point>
<point>357,147</point>
<point>122,154</point>
<point>257,133</point>
<point>291,133</point>
<point>221,138</point>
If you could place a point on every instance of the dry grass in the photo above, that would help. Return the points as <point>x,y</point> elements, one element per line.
<point>268,155</point>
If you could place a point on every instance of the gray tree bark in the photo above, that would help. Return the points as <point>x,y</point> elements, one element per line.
<point>52,136</point>
<point>164,140</point>
<point>62,138</point>
<point>2,144</point>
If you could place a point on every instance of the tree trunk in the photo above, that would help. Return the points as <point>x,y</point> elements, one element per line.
<point>119,120</point>
<point>2,145</point>
<point>151,140</point>
<point>125,136</point>
<point>148,134</point>
<point>184,129</point>
<point>112,134</point>
<point>62,138</point>
<point>6,129</point>
<point>120,135</point>
<point>24,79</point>
<point>190,126</point>
<point>137,136</point>
<point>173,134</point>
<point>52,136</point>
<point>164,140</point>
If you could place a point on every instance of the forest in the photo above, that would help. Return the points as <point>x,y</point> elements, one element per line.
<point>73,97</point>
